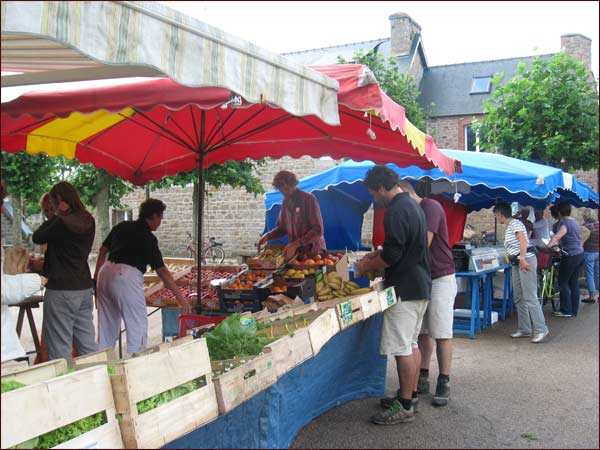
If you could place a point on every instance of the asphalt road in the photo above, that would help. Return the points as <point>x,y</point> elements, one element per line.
<point>505,393</point>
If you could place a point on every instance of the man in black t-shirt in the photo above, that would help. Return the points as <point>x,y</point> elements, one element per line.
<point>405,258</point>
<point>130,247</point>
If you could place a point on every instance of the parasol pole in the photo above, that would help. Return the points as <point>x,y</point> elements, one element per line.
<point>200,170</point>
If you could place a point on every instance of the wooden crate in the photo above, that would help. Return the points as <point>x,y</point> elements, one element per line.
<point>370,304</point>
<point>267,264</point>
<point>349,311</point>
<point>37,373</point>
<point>322,329</point>
<point>290,351</point>
<point>244,381</point>
<point>99,357</point>
<point>387,298</point>
<point>47,405</point>
<point>140,378</point>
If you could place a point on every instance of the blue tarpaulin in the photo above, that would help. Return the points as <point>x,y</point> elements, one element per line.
<point>485,178</point>
<point>347,368</point>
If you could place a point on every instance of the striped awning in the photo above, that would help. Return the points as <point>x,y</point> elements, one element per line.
<point>56,41</point>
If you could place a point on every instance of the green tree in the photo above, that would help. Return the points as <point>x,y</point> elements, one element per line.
<point>546,114</point>
<point>26,177</point>
<point>398,86</point>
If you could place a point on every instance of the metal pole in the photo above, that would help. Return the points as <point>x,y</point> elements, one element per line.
<point>200,170</point>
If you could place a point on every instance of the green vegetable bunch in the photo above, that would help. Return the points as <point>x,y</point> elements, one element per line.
<point>234,337</point>
<point>167,396</point>
<point>11,385</point>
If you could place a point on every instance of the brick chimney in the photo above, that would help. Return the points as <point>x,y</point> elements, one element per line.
<point>403,30</point>
<point>579,47</point>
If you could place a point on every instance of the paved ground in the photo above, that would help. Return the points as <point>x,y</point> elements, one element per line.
<point>505,393</point>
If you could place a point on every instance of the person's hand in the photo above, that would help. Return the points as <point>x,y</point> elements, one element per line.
<point>524,265</point>
<point>289,251</point>
<point>261,242</point>
<point>185,306</point>
<point>43,282</point>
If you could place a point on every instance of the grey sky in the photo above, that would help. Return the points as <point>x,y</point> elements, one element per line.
<point>453,32</point>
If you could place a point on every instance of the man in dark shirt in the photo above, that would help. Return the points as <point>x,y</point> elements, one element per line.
<point>131,247</point>
<point>439,317</point>
<point>405,258</point>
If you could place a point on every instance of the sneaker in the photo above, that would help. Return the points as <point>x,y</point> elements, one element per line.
<point>519,334</point>
<point>561,314</point>
<point>442,393</point>
<point>539,337</point>
<point>423,384</point>
<point>395,414</point>
<point>589,300</point>
<point>386,402</point>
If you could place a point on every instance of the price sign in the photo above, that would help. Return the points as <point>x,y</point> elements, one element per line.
<point>389,293</point>
<point>346,312</point>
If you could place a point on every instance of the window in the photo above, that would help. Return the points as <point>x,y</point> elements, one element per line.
<point>470,139</point>
<point>120,215</point>
<point>481,85</point>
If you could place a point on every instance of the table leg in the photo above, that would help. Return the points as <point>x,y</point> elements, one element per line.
<point>34,333</point>
<point>475,324</point>
<point>20,320</point>
<point>488,295</point>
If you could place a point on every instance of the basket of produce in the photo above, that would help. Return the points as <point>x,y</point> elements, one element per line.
<point>271,258</point>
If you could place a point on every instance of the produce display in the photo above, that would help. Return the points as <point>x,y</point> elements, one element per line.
<point>188,289</point>
<point>332,287</point>
<point>287,325</point>
<point>298,274</point>
<point>234,337</point>
<point>62,434</point>
<point>271,254</point>
<point>170,395</point>
<point>328,259</point>
<point>173,268</point>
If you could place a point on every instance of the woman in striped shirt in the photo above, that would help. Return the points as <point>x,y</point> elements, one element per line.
<point>524,276</point>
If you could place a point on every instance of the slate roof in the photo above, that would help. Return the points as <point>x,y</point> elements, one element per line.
<point>328,55</point>
<point>449,86</point>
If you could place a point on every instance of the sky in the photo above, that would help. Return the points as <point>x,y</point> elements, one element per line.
<point>452,32</point>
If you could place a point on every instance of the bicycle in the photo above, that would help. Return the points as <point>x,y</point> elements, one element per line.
<point>212,251</point>
<point>548,289</point>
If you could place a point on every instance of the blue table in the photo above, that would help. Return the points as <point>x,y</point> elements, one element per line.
<point>347,368</point>
<point>483,281</point>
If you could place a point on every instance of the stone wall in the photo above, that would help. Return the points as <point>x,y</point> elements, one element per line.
<point>233,216</point>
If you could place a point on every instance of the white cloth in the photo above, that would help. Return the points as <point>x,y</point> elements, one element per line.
<point>439,317</point>
<point>401,326</point>
<point>15,289</point>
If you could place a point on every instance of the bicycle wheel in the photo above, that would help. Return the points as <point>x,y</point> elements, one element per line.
<point>556,302</point>
<point>214,255</point>
<point>182,251</point>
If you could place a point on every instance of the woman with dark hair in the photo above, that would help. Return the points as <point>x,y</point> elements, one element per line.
<point>122,261</point>
<point>524,276</point>
<point>299,219</point>
<point>68,304</point>
<point>571,262</point>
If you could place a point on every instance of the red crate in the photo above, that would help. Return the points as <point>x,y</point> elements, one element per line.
<point>188,321</point>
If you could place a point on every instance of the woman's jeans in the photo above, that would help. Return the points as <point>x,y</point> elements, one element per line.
<point>568,281</point>
<point>529,310</point>
<point>591,271</point>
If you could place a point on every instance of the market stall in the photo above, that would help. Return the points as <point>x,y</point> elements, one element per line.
<point>485,177</point>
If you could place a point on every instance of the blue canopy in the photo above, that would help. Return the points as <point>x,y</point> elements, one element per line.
<point>486,177</point>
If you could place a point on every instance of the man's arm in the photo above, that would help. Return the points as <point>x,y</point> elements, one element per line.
<point>523,265</point>
<point>165,275</point>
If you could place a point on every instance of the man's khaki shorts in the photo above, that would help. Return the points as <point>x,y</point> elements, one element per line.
<point>439,318</point>
<point>401,326</point>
